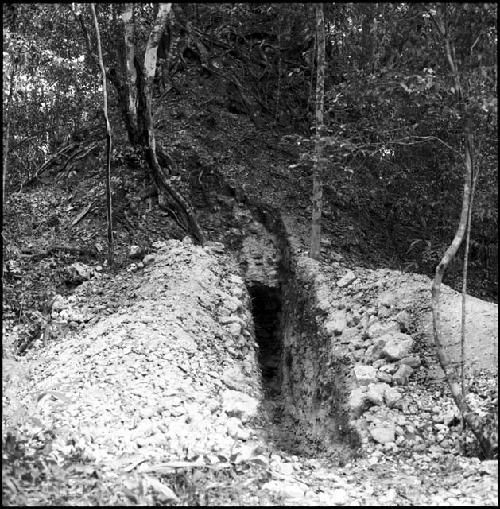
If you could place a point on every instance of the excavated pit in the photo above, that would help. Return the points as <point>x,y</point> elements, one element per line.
<point>266,310</point>
<point>306,370</point>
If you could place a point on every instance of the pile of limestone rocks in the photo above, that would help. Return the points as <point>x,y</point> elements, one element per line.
<point>163,369</point>
<point>375,331</point>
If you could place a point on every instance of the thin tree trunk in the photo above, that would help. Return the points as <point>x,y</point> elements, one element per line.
<point>131,72</point>
<point>12,26</point>
<point>366,35</point>
<point>109,211</point>
<point>278,91</point>
<point>160,175</point>
<point>135,99</point>
<point>317,193</point>
<point>310,94</point>
<point>7,133</point>
<point>485,438</point>
<point>464,281</point>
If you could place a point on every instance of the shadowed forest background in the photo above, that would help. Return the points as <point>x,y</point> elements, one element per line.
<point>394,128</point>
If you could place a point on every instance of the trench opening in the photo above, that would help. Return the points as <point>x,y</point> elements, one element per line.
<point>266,310</point>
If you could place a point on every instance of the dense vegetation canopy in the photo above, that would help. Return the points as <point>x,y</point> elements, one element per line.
<point>394,120</point>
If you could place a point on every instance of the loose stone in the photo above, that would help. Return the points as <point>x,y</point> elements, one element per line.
<point>149,259</point>
<point>413,361</point>
<point>238,404</point>
<point>235,329</point>
<point>397,346</point>
<point>346,279</point>
<point>335,497</point>
<point>365,375</point>
<point>392,397</point>
<point>337,324</point>
<point>402,374</point>
<point>403,318</point>
<point>358,401</point>
<point>286,490</point>
<point>383,434</point>
<point>378,329</point>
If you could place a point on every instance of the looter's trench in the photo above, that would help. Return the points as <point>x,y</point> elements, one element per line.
<point>266,309</point>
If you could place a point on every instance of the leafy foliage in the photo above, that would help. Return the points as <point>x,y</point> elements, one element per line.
<point>393,123</point>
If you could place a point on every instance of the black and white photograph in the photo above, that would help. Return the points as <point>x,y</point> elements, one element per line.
<point>250,254</point>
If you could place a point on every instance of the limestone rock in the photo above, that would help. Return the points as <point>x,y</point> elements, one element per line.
<point>352,336</point>
<point>235,379</point>
<point>387,299</point>
<point>402,374</point>
<point>337,257</point>
<point>75,315</point>
<point>365,375</point>
<point>59,303</point>
<point>358,401</point>
<point>376,392</point>
<point>489,467</point>
<point>404,320</point>
<point>383,433</point>
<point>78,273</point>
<point>378,329</point>
<point>233,426</point>
<point>286,490</point>
<point>284,468</point>
<point>232,304</point>
<point>236,280</point>
<point>239,404</point>
<point>135,251</point>
<point>392,397</point>
<point>413,361</point>
<point>237,292</point>
<point>144,428</point>
<point>338,496</point>
<point>324,305</point>
<point>214,247</point>
<point>397,346</point>
<point>387,497</point>
<point>375,351</point>
<point>163,492</point>
<point>159,245</point>
<point>383,312</point>
<point>336,324</point>
<point>235,329</point>
<point>229,319</point>
<point>346,279</point>
<point>149,259</point>
<point>390,368</point>
<point>384,377</point>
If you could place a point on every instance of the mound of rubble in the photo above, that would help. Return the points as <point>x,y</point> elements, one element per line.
<point>155,365</point>
<point>157,369</point>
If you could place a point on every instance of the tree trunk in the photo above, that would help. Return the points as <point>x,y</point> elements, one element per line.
<point>486,437</point>
<point>136,101</point>
<point>6,140</point>
<point>317,193</point>
<point>366,35</point>
<point>109,210</point>
<point>131,73</point>
<point>7,134</point>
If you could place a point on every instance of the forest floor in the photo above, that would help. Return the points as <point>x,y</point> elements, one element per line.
<point>146,395</point>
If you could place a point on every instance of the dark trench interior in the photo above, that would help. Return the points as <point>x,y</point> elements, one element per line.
<point>266,309</point>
